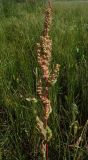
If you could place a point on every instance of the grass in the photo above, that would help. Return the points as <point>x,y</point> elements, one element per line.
<point>20,30</point>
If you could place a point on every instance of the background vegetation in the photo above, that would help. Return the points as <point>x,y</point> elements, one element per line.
<point>21,24</point>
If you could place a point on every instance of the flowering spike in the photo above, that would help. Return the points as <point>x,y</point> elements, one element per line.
<point>44,50</point>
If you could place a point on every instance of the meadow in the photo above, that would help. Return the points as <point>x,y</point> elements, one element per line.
<point>21,25</point>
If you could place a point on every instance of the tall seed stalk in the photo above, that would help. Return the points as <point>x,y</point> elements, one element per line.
<point>46,80</point>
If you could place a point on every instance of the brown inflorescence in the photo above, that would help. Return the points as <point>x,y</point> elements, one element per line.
<point>44,51</point>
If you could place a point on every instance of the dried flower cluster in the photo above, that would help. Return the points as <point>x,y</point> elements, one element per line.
<point>44,50</point>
